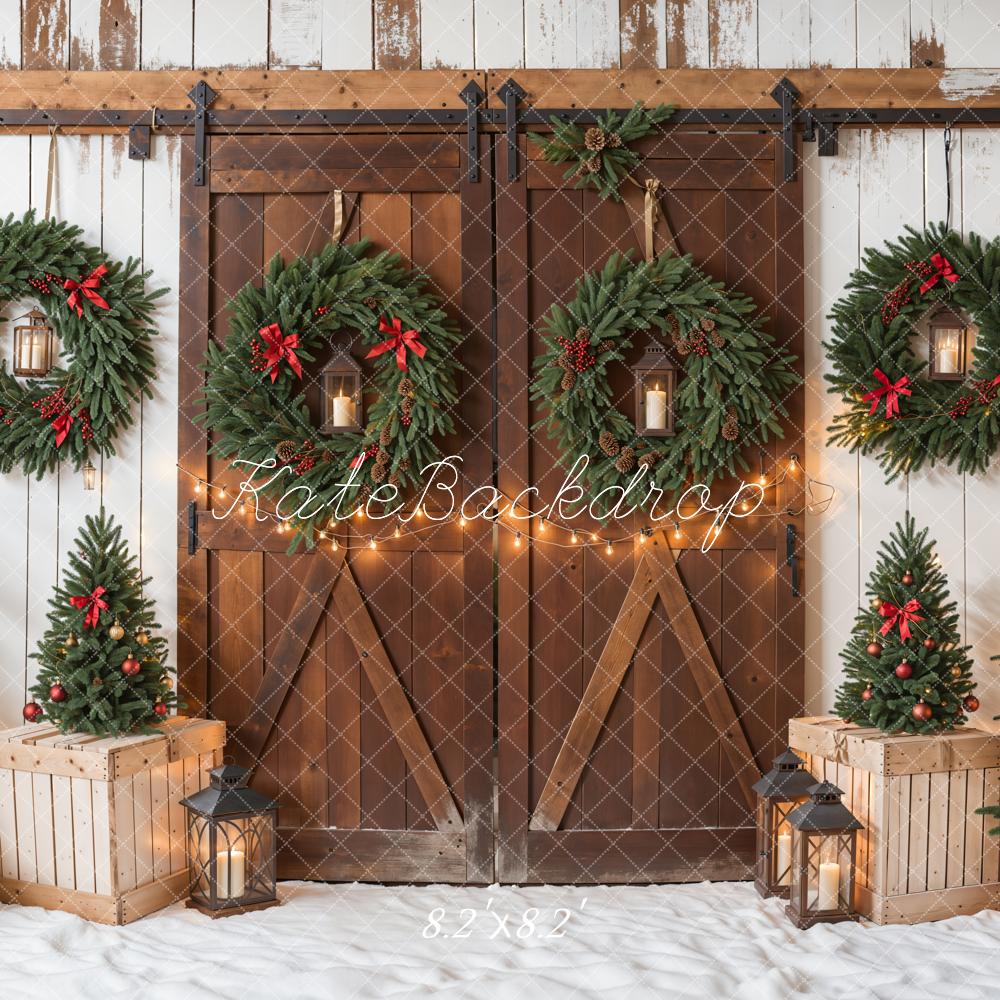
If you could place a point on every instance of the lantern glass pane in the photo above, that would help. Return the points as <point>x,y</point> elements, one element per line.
<point>341,393</point>
<point>656,390</point>
<point>948,350</point>
<point>780,873</point>
<point>829,872</point>
<point>200,855</point>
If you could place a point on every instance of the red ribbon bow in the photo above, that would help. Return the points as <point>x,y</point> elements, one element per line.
<point>94,605</point>
<point>904,615</point>
<point>86,289</point>
<point>61,426</point>
<point>399,341</point>
<point>942,269</point>
<point>280,347</point>
<point>891,390</point>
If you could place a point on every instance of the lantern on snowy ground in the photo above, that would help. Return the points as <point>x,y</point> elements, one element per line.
<point>655,381</point>
<point>783,788</point>
<point>33,346</point>
<point>824,841</point>
<point>341,393</point>
<point>947,335</point>
<point>231,845</point>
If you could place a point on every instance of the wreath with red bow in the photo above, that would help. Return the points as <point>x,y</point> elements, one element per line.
<point>258,386</point>
<point>879,351</point>
<point>102,314</point>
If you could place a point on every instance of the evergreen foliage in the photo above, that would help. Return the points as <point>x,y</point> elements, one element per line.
<point>99,697</point>
<point>936,667</point>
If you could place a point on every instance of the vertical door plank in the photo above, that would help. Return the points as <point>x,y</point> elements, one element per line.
<point>8,825</point>
<point>937,832</point>
<point>598,34</point>
<point>159,819</point>
<point>343,713</point>
<point>177,818</point>
<point>296,32</point>
<point>732,32</point>
<point>499,31</point>
<point>142,811</point>
<point>45,35</point>
<point>648,670</point>
<point>446,34</point>
<point>643,33</point>
<point>14,488</point>
<point>44,821</point>
<point>83,834</point>
<point>919,821</point>
<point>347,41</point>
<point>884,33</point>
<point>549,34</point>
<point>24,810</point>
<point>991,844</point>
<point>10,34</point>
<point>229,34</point>
<point>687,34</point>
<point>397,34</point>
<point>386,221</point>
<point>973,863</point>
<point>167,39</point>
<point>104,34</point>
<point>783,33</point>
<point>124,832</point>
<point>951,33</point>
<point>832,33</point>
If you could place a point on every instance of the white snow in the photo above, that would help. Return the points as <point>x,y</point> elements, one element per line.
<point>718,941</point>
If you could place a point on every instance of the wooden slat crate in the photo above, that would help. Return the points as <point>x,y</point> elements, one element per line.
<point>924,853</point>
<point>93,825</point>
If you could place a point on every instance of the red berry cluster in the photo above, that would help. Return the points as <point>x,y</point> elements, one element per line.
<point>961,408</point>
<point>258,363</point>
<point>986,391</point>
<point>42,285</point>
<point>53,405</point>
<point>696,342</point>
<point>575,351</point>
<point>900,295</point>
<point>304,466</point>
<point>86,432</point>
<point>322,311</point>
<point>303,460</point>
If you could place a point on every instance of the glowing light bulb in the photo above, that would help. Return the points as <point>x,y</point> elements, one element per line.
<point>461,522</point>
<point>642,537</point>
<point>371,544</point>
<point>221,492</point>
<point>573,538</point>
<point>360,514</point>
<point>334,545</point>
<point>396,532</point>
<point>517,540</point>
<point>419,511</point>
<point>593,536</point>
<point>197,487</point>
<point>541,526</point>
<point>607,548</point>
<point>322,536</point>
<point>332,524</point>
<point>677,530</point>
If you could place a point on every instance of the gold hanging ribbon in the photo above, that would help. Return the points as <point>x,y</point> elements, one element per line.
<point>338,215</point>
<point>50,180</point>
<point>652,213</point>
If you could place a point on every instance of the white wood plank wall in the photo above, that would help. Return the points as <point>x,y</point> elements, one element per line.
<point>880,181</point>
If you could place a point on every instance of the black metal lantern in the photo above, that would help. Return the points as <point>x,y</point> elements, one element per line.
<point>231,845</point>
<point>824,841</point>
<point>947,334</point>
<point>655,381</point>
<point>33,346</point>
<point>341,393</point>
<point>783,788</point>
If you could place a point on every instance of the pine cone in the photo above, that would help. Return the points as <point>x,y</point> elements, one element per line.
<point>378,473</point>
<point>326,455</point>
<point>371,302</point>
<point>648,459</point>
<point>707,323</point>
<point>583,334</point>
<point>615,140</point>
<point>405,387</point>
<point>607,443</point>
<point>285,451</point>
<point>406,406</point>
<point>717,339</point>
<point>604,346</point>
<point>393,480</point>
<point>594,139</point>
<point>731,425</point>
<point>625,462</point>
<point>568,381</point>
<point>385,437</point>
<point>564,362</point>
<point>592,165</point>
<point>404,466</point>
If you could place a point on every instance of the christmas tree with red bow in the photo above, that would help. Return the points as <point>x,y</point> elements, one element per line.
<point>102,663</point>
<point>906,669</point>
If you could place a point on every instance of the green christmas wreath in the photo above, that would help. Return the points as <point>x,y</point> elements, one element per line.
<point>255,388</point>
<point>892,410</point>
<point>102,314</point>
<point>599,156</point>
<point>731,392</point>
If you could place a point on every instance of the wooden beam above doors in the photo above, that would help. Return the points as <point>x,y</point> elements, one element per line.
<point>263,90</point>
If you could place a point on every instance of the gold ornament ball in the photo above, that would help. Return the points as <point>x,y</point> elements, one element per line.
<point>876,602</point>
<point>116,631</point>
<point>956,671</point>
<point>71,639</point>
<point>142,637</point>
<point>168,682</point>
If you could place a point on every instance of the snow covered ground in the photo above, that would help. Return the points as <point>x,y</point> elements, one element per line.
<point>357,941</point>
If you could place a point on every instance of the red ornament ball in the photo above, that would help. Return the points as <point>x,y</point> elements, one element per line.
<point>929,643</point>
<point>904,670</point>
<point>922,711</point>
<point>907,579</point>
<point>970,703</point>
<point>874,649</point>
<point>866,695</point>
<point>160,709</point>
<point>131,666</point>
<point>32,712</point>
<point>57,692</point>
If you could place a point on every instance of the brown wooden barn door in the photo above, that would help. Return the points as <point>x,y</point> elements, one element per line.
<point>640,692</point>
<point>359,686</point>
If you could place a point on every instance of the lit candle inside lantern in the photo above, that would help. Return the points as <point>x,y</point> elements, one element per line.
<point>784,857</point>
<point>37,351</point>
<point>947,356</point>
<point>231,876</point>
<point>829,885</point>
<point>656,409</point>
<point>343,411</point>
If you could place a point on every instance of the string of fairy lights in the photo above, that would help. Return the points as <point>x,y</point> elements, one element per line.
<point>347,533</point>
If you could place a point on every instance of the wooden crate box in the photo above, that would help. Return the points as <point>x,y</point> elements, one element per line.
<point>924,853</point>
<point>93,825</point>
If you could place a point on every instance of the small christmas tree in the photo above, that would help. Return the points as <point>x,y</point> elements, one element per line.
<point>102,665</point>
<point>906,668</point>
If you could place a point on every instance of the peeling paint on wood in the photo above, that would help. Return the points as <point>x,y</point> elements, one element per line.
<point>446,34</point>
<point>883,33</point>
<point>926,51</point>
<point>732,33</point>
<point>397,34</point>
<point>10,34</point>
<point>687,33</point>
<point>833,33</point>
<point>230,34</point>
<point>642,34</point>
<point>104,34</point>
<point>783,33</point>
<point>499,30</point>
<point>597,34</point>
<point>549,33</point>
<point>167,40</point>
<point>296,33</point>
<point>962,84</point>
<point>44,35</point>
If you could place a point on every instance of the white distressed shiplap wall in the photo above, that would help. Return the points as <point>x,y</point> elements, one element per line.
<point>880,181</point>
<point>129,209</point>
